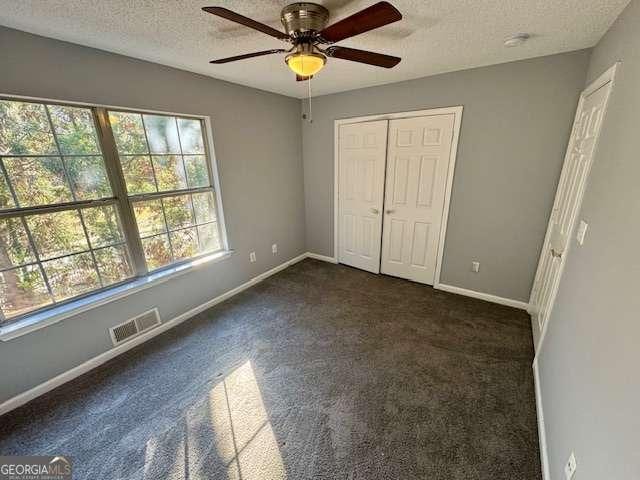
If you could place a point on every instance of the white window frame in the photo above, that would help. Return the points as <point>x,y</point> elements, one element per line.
<point>57,312</point>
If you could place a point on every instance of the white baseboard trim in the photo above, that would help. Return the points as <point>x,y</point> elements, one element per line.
<point>483,296</point>
<point>323,258</point>
<point>92,363</point>
<point>542,435</point>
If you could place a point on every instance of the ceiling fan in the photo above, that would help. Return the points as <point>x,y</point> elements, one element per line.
<point>305,27</point>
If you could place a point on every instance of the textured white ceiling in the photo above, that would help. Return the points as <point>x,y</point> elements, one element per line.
<point>434,36</point>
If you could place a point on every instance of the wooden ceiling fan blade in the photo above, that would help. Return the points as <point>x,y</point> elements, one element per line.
<point>375,16</point>
<point>247,22</point>
<point>363,56</point>
<point>247,55</point>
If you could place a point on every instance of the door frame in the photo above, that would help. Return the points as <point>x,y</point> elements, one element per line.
<point>607,77</point>
<point>457,112</point>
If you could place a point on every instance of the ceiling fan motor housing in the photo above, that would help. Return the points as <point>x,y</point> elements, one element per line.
<point>303,20</point>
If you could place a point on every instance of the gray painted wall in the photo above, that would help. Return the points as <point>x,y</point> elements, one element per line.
<point>515,126</point>
<point>590,357</point>
<point>258,148</point>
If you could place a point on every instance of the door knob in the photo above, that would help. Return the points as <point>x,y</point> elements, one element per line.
<point>389,211</point>
<point>375,211</point>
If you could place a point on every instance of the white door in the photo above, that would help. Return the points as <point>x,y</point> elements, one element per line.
<point>362,153</point>
<point>417,166</point>
<point>578,160</point>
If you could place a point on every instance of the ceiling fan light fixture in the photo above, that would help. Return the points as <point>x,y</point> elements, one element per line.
<point>305,26</point>
<point>305,64</point>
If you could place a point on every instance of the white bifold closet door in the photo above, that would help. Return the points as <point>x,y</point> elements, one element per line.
<point>417,166</point>
<point>362,150</point>
<point>393,225</point>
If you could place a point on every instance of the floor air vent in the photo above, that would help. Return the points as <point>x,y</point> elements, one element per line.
<point>135,326</point>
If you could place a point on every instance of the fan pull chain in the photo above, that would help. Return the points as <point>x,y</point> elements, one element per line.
<point>309,90</point>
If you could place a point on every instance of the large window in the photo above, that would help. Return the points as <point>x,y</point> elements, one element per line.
<point>91,198</point>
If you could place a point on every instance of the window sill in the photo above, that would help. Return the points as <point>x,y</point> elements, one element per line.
<point>54,315</point>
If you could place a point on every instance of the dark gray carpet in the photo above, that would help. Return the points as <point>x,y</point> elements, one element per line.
<point>322,372</point>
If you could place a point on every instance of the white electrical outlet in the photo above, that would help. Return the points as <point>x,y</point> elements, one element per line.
<point>582,231</point>
<point>570,467</point>
<point>252,257</point>
<point>475,267</point>
<point>274,248</point>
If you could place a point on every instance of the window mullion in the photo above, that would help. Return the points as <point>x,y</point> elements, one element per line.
<point>146,139</point>
<point>9,184</point>
<point>168,193</point>
<point>59,207</point>
<point>166,224</point>
<point>62,159</point>
<point>119,187</point>
<point>93,255</point>
<point>195,220</point>
<point>45,277</point>
<point>184,165</point>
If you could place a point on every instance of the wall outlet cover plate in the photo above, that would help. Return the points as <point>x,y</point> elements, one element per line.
<point>582,231</point>
<point>570,467</point>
